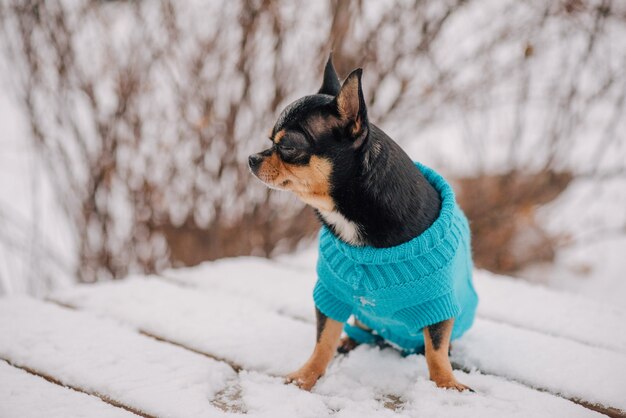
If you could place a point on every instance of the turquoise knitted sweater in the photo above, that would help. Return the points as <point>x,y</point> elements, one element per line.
<point>397,291</point>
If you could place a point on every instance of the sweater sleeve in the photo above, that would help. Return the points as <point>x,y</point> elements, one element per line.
<point>329,304</point>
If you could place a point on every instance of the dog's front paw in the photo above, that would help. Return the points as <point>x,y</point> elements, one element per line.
<point>305,378</point>
<point>453,384</point>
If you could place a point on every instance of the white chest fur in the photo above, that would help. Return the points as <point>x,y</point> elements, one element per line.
<point>346,229</point>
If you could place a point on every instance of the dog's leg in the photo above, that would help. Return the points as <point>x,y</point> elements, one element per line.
<point>437,339</point>
<point>328,333</point>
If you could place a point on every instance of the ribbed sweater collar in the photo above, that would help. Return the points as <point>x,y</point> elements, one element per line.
<point>439,232</point>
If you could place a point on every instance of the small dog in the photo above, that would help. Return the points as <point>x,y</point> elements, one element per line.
<point>394,246</point>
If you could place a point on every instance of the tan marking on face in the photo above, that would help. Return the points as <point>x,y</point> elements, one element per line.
<point>269,170</point>
<point>311,182</point>
<point>279,135</point>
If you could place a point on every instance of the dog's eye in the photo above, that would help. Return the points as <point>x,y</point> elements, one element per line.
<point>287,151</point>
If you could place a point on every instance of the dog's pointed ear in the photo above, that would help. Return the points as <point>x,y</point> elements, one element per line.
<point>331,84</point>
<point>351,106</point>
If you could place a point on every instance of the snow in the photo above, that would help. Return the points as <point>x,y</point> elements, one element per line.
<point>560,314</point>
<point>545,362</point>
<point>217,323</point>
<point>284,288</point>
<point>353,388</point>
<point>256,338</point>
<point>31,396</point>
<point>546,339</point>
<point>389,373</point>
<point>102,357</point>
<point>216,339</point>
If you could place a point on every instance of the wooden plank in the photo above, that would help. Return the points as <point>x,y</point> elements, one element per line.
<point>246,334</point>
<point>524,305</point>
<point>288,290</point>
<point>592,375</point>
<point>99,357</point>
<point>160,308</point>
<point>285,289</point>
<point>26,394</point>
<point>502,299</point>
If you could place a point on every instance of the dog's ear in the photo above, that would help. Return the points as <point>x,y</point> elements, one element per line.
<point>351,107</point>
<point>331,84</point>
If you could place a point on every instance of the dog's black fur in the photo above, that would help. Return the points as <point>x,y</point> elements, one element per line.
<point>389,198</point>
<point>373,183</point>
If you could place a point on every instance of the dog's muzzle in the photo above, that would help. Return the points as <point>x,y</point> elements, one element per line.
<point>254,161</point>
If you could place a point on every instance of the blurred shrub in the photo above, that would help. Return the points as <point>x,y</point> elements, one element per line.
<point>145,112</point>
<point>506,235</point>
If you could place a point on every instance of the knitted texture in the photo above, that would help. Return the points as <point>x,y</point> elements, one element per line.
<point>397,291</point>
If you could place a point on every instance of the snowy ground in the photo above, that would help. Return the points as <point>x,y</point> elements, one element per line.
<point>214,341</point>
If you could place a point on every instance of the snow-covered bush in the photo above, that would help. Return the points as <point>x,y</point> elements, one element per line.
<point>145,112</point>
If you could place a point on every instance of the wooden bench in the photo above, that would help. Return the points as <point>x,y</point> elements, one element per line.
<point>214,340</point>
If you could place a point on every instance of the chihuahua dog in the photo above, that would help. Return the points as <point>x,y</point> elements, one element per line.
<point>371,197</point>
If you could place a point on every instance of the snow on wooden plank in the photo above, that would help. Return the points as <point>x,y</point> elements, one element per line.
<point>101,357</point>
<point>558,365</point>
<point>246,333</point>
<point>367,371</point>
<point>519,303</point>
<point>566,317</point>
<point>286,289</point>
<point>27,396</point>
<point>225,326</point>
<point>353,388</point>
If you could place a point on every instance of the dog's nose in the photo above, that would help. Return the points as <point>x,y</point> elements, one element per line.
<point>254,160</point>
